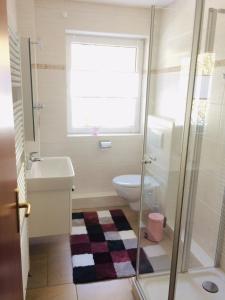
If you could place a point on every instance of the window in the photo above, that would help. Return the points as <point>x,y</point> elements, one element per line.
<point>104,84</point>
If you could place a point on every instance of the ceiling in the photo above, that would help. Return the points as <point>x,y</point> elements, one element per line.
<point>137,3</point>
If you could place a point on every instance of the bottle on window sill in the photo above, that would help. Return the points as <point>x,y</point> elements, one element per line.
<point>95,131</point>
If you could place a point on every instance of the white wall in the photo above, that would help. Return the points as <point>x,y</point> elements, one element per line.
<point>94,168</point>
<point>12,16</point>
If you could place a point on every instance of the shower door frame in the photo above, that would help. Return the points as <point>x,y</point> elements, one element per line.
<point>199,12</point>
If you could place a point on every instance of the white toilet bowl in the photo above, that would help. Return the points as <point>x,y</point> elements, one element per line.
<point>129,188</point>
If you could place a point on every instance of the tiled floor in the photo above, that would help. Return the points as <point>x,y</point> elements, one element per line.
<point>58,292</point>
<point>116,289</point>
<point>120,289</point>
<point>50,262</point>
<point>51,273</point>
<point>51,269</point>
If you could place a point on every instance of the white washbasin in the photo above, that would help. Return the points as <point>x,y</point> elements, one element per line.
<point>51,173</point>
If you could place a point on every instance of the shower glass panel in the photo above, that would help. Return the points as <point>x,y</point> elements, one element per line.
<point>206,144</point>
<point>169,69</point>
<point>203,228</point>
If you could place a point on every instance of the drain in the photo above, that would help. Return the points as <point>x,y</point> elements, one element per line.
<point>210,287</point>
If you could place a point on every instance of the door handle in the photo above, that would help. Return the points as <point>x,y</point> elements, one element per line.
<point>26,205</point>
<point>20,205</point>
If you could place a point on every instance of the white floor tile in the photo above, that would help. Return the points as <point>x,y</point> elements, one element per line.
<point>116,289</point>
<point>127,234</point>
<point>154,250</point>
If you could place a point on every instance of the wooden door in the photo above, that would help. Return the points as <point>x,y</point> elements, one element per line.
<point>10,256</point>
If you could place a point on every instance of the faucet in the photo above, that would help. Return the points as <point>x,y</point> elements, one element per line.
<point>33,158</point>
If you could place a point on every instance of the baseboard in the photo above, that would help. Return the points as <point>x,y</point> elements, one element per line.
<point>76,195</point>
<point>196,250</point>
<point>97,201</point>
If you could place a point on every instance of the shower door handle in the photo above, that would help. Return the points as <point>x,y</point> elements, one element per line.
<point>148,159</point>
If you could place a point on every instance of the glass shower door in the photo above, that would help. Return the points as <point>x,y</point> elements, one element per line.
<point>204,230</point>
<point>171,42</point>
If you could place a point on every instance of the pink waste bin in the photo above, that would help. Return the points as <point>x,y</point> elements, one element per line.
<point>155,227</point>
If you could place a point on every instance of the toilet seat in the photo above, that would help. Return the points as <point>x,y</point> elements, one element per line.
<point>134,180</point>
<point>128,180</point>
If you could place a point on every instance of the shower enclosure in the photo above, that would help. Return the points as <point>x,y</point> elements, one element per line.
<point>184,150</point>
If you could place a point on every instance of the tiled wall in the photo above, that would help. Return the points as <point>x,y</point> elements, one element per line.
<point>94,168</point>
<point>211,180</point>
<point>169,87</point>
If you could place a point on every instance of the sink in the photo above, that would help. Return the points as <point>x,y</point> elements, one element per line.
<point>49,186</point>
<point>51,173</point>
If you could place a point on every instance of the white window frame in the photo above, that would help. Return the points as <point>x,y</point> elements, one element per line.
<point>96,39</point>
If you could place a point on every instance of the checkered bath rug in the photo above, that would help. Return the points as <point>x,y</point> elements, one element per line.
<point>104,246</point>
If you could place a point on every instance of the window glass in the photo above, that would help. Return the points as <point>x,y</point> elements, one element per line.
<point>104,85</point>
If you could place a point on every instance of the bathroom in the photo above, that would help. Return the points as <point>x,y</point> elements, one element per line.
<point>119,137</point>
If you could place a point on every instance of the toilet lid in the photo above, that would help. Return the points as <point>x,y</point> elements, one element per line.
<point>130,180</point>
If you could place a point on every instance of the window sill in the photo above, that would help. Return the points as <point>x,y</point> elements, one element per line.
<point>74,135</point>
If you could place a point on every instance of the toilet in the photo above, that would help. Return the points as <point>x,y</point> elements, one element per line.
<point>129,187</point>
